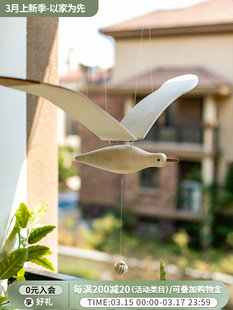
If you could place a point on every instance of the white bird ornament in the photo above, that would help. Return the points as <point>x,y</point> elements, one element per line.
<point>134,126</point>
<point>123,159</point>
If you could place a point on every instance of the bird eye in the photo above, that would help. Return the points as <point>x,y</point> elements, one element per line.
<point>158,159</point>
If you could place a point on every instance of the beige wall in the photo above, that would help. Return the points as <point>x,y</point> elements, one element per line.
<point>213,52</point>
<point>42,167</point>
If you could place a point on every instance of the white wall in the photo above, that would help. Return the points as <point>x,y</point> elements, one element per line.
<point>12,120</point>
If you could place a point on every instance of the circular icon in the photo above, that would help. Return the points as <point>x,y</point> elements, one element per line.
<point>28,302</point>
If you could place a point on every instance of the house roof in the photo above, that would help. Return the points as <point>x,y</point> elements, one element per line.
<point>211,15</point>
<point>209,82</point>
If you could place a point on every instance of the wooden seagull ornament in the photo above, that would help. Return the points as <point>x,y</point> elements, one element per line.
<point>134,126</point>
<point>123,159</point>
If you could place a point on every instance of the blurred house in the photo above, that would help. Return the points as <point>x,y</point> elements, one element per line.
<point>197,128</point>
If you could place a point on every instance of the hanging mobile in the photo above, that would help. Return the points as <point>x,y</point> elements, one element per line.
<point>122,159</point>
<point>134,126</point>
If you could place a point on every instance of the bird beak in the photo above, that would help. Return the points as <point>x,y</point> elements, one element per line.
<point>172,160</point>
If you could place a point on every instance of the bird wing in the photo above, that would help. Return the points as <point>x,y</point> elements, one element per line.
<point>77,105</point>
<point>140,119</point>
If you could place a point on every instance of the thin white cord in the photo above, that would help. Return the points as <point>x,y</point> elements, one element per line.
<point>151,70</point>
<point>105,87</point>
<point>140,48</point>
<point>87,82</point>
<point>121,229</point>
<point>105,95</point>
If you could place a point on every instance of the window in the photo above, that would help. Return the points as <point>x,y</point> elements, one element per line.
<point>190,196</point>
<point>190,189</point>
<point>165,127</point>
<point>181,122</point>
<point>169,117</point>
<point>149,178</point>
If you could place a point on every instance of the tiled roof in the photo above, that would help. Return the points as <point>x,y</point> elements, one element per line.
<point>208,81</point>
<point>211,12</point>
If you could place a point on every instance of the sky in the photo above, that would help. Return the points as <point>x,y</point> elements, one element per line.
<point>81,36</point>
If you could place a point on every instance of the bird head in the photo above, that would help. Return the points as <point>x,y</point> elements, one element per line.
<point>161,159</point>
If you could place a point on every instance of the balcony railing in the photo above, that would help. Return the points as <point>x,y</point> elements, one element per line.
<point>179,134</point>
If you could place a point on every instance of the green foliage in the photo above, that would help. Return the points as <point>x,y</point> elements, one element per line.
<point>84,269</point>
<point>36,251</point>
<point>181,238</point>
<point>65,165</point>
<point>229,239</point>
<point>44,262</point>
<point>38,233</point>
<point>106,225</point>
<point>228,184</point>
<point>129,218</point>
<point>20,275</point>
<point>12,262</point>
<point>141,247</point>
<point>39,212</point>
<point>194,175</point>
<point>222,209</point>
<point>162,272</point>
<point>225,194</point>
<point>22,215</point>
<point>103,229</point>
<point>3,299</point>
<point>226,264</point>
<point>220,215</point>
<point>222,227</point>
<point>10,242</point>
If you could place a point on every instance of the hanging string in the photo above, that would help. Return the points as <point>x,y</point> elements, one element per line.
<point>151,70</point>
<point>120,267</point>
<point>139,52</point>
<point>87,82</point>
<point>105,94</point>
<point>121,222</point>
<point>105,85</point>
